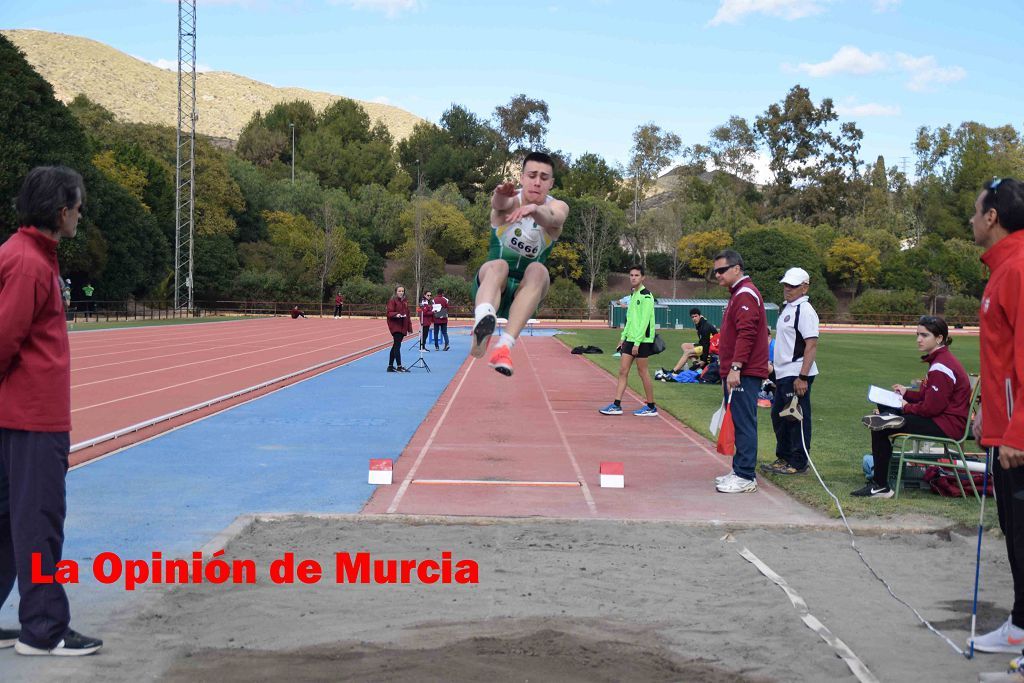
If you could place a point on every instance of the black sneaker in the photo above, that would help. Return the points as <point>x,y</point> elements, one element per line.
<point>877,423</point>
<point>391,369</point>
<point>446,347</point>
<point>401,368</point>
<point>873,490</point>
<point>73,644</point>
<point>482,332</point>
<point>8,637</point>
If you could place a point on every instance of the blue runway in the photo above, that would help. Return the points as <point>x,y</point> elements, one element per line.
<point>305,448</point>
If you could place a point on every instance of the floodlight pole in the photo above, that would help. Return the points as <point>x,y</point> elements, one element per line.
<point>185,158</point>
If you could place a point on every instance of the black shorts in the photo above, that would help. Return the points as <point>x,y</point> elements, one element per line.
<point>646,349</point>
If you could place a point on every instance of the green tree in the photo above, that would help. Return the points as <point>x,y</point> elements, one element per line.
<point>653,150</point>
<point>697,250</point>
<point>522,125</point>
<point>591,175</point>
<point>768,253</point>
<point>345,150</point>
<point>852,263</point>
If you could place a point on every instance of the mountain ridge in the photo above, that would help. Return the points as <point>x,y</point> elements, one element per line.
<point>225,101</point>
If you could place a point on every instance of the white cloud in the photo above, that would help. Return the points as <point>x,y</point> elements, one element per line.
<point>924,72</point>
<point>381,99</point>
<point>851,109</point>
<point>886,5</point>
<point>731,11</point>
<point>391,8</point>
<point>847,60</point>
<point>172,64</point>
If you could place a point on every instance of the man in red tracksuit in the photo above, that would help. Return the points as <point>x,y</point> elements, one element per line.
<point>743,354</point>
<point>998,226</point>
<point>35,412</point>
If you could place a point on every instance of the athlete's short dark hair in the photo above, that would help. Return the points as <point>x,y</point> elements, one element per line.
<point>1006,196</point>
<point>541,158</point>
<point>637,267</point>
<point>694,311</point>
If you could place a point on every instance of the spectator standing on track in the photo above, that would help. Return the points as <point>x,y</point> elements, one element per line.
<point>998,226</point>
<point>35,412</point>
<point>426,318</point>
<point>339,301</point>
<point>441,319</point>
<point>743,349</point>
<point>636,343</point>
<point>794,349</point>
<point>399,324</point>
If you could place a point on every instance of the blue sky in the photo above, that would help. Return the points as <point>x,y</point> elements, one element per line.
<point>603,66</point>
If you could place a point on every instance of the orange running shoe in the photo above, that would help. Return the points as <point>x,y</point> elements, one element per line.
<point>501,360</point>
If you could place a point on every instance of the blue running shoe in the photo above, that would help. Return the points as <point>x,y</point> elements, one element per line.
<point>611,409</point>
<point>646,411</point>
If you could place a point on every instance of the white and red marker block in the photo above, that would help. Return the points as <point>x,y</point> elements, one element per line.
<point>381,470</point>
<point>613,475</point>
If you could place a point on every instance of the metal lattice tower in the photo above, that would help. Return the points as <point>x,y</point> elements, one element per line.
<point>184,177</point>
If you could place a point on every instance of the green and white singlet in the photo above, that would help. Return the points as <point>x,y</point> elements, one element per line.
<point>521,243</point>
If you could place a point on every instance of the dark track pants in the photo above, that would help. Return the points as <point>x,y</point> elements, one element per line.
<point>33,466</point>
<point>395,358</point>
<point>1009,485</point>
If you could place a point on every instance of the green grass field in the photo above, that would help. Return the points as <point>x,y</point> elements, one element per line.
<point>847,364</point>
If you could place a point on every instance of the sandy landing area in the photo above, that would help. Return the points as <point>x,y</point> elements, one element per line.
<point>563,600</point>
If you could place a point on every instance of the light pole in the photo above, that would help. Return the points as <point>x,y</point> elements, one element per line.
<point>292,126</point>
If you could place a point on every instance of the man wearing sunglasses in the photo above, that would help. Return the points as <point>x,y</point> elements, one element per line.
<point>743,349</point>
<point>998,226</point>
<point>35,412</point>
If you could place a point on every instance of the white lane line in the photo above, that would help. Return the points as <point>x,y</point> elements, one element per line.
<point>591,505</point>
<point>430,440</point>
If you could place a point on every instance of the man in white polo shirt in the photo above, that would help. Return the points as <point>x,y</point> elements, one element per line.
<point>796,345</point>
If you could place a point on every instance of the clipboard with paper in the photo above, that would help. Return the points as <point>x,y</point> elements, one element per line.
<point>884,397</point>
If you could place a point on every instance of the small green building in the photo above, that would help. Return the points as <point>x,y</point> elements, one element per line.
<point>675,313</point>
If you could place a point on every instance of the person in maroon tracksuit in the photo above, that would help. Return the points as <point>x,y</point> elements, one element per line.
<point>399,325</point>
<point>35,412</point>
<point>998,226</point>
<point>426,317</point>
<point>937,408</point>
<point>743,351</point>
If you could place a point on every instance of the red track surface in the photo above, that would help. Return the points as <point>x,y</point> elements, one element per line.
<point>542,426</point>
<point>123,377</point>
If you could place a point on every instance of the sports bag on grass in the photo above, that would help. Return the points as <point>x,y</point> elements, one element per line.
<point>658,345</point>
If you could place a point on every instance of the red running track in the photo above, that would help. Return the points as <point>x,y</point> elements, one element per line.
<point>124,377</point>
<point>531,445</point>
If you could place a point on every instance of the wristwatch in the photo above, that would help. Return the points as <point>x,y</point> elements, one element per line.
<point>735,368</point>
<point>804,377</point>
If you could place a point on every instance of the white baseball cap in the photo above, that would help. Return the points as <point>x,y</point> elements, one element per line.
<point>795,277</point>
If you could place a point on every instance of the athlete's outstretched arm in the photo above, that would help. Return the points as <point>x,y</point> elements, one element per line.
<point>550,216</point>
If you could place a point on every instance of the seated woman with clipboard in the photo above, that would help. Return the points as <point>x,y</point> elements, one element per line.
<point>937,408</point>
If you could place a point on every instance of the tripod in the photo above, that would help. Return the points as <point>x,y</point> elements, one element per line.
<point>420,362</point>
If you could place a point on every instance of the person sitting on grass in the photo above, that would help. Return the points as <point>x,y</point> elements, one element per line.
<point>297,312</point>
<point>699,352</point>
<point>938,408</point>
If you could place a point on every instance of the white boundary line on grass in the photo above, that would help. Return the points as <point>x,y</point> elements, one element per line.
<point>842,650</point>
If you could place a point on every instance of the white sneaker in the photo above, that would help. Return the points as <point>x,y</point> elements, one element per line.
<point>1006,638</point>
<point>737,485</point>
<point>724,478</point>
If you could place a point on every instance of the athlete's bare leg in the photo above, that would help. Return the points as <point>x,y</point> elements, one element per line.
<point>493,276</point>
<point>531,291</point>
<point>624,364</point>
<point>645,379</point>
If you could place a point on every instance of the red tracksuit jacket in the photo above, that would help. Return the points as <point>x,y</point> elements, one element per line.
<point>35,356</point>
<point>743,336</point>
<point>944,395</point>
<point>1002,344</point>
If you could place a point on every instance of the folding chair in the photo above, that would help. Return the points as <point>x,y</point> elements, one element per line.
<point>952,455</point>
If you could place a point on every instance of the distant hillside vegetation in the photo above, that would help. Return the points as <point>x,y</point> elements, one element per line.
<point>138,92</point>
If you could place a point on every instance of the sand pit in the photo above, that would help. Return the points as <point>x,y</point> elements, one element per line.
<point>563,600</point>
